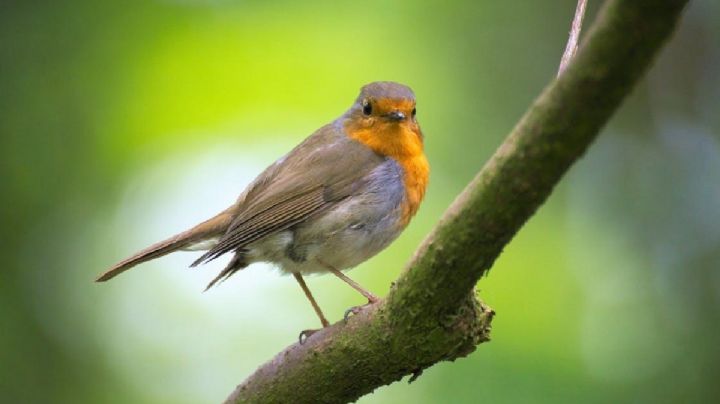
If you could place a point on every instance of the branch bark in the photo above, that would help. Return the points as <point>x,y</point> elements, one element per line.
<point>431,313</point>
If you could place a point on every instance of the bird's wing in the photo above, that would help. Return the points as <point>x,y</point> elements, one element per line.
<point>325,168</point>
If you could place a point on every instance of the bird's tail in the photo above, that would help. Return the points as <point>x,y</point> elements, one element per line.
<point>213,227</point>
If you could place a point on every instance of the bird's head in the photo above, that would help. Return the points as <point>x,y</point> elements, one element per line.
<point>384,114</point>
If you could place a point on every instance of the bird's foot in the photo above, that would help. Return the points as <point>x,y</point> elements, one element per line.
<point>353,310</point>
<point>305,334</point>
<point>357,309</point>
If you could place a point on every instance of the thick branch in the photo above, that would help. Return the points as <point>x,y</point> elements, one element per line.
<point>431,313</point>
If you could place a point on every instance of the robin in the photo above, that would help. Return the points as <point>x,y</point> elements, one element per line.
<point>337,199</point>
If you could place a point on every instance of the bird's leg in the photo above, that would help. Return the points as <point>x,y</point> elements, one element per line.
<point>307,333</point>
<point>355,309</point>
<point>371,298</point>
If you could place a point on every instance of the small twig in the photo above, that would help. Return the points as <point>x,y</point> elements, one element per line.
<point>572,43</point>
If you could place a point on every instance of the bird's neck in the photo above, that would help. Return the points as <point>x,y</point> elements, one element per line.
<point>404,144</point>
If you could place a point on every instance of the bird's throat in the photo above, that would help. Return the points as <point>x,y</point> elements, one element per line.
<point>404,144</point>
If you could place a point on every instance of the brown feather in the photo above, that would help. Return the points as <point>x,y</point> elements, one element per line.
<point>213,227</point>
<point>235,264</point>
<point>324,169</point>
<point>274,219</point>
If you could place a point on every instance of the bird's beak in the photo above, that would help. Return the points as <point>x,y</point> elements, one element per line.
<point>396,116</point>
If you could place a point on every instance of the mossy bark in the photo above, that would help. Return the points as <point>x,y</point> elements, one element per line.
<point>431,313</point>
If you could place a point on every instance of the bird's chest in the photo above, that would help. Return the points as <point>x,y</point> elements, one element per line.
<point>377,209</point>
<point>372,213</point>
<point>355,228</point>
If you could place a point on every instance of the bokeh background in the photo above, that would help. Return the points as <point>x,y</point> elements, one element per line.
<point>123,122</point>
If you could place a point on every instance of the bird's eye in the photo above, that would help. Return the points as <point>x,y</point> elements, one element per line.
<point>367,108</point>
<point>414,111</point>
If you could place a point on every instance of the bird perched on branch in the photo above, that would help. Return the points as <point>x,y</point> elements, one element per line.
<point>337,199</point>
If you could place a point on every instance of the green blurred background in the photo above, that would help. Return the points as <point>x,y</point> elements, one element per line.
<point>122,122</point>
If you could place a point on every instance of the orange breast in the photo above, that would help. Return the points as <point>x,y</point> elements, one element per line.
<point>402,142</point>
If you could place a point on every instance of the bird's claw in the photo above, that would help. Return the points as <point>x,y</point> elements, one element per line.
<point>357,309</point>
<point>353,310</point>
<point>305,334</point>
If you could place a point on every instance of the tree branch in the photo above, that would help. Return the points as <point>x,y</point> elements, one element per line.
<point>431,313</point>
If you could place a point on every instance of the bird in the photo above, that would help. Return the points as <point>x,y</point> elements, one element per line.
<point>337,199</point>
